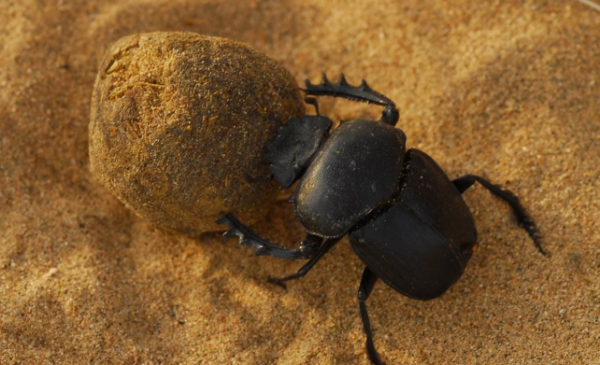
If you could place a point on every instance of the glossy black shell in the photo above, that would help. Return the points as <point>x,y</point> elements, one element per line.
<point>356,170</point>
<point>422,243</point>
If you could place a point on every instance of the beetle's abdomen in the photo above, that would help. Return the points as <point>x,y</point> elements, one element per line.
<point>357,169</point>
<point>421,245</point>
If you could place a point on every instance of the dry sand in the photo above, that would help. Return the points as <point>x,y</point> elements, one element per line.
<point>508,89</point>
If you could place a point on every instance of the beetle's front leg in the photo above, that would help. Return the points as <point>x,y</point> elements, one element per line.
<point>363,93</point>
<point>264,247</point>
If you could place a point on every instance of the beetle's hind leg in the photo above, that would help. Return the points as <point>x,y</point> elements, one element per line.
<point>367,282</point>
<point>525,221</point>
<point>264,247</point>
<point>363,92</point>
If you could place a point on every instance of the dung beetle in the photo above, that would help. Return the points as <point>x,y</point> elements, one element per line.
<point>406,220</point>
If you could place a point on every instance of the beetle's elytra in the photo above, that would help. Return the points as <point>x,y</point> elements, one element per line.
<point>406,220</point>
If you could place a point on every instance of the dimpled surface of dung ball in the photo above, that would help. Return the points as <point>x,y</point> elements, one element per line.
<point>178,127</point>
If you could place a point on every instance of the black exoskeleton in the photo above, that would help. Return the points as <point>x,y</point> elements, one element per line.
<point>406,220</point>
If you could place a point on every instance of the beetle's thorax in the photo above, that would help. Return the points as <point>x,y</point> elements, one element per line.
<point>355,171</point>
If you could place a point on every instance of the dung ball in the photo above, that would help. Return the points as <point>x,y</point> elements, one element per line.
<point>178,126</point>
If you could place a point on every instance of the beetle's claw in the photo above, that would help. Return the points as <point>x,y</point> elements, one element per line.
<point>246,236</point>
<point>260,250</point>
<point>277,282</point>
<point>529,225</point>
<point>223,220</point>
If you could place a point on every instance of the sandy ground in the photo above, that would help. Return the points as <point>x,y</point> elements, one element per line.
<point>507,89</point>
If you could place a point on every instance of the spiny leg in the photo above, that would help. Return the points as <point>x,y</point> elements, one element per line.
<point>367,282</point>
<point>263,247</point>
<point>309,265</point>
<point>362,93</point>
<point>525,221</point>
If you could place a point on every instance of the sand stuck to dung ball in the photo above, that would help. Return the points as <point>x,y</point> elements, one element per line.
<point>178,126</point>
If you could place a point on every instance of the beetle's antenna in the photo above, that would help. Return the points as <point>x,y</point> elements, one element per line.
<point>591,4</point>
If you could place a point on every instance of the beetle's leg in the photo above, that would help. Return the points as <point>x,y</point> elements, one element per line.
<point>525,221</point>
<point>367,282</point>
<point>364,93</point>
<point>265,248</point>
<point>309,265</point>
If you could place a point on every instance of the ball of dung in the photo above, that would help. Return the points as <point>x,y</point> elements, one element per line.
<point>178,127</point>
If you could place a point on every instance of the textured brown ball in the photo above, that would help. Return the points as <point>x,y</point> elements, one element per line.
<point>178,126</point>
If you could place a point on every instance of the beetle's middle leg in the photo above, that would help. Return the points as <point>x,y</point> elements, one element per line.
<point>525,221</point>
<point>309,246</point>
<point>309,265</point>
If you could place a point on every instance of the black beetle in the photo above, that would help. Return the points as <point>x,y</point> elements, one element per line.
<point>405,218</point>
